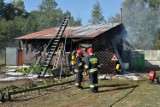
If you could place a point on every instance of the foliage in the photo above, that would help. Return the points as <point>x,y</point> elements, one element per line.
<point>15,21</point>
<point>18,4</point>
<point>34,69</point>
<point>155,4</point>
<point>22,70</point>
<point>97,17</point>
<point>115,19</point>
<point>72,21</point>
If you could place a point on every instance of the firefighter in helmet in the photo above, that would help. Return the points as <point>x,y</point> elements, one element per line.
<point>78,68</point>
<point>92,65</point>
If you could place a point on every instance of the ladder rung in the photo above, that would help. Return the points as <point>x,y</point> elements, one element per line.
<point>46,62</point>
<point>58,37</point>
<point>59,34</point>
<point>50,53</point>
<point>52,49</point>
<point>54,66</point>
<point>53,46</point>
<point>48,58</point>
<point>45,65</point>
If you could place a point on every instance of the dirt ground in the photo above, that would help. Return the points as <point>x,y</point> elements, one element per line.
<point>112,93</point>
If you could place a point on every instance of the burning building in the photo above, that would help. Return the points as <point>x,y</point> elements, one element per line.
<point>99,37</point>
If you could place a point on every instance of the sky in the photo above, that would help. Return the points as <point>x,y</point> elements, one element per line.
<point>79,8</point>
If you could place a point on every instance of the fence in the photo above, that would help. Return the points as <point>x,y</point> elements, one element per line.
<point>108,66</point>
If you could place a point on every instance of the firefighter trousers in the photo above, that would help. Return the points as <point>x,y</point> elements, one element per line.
<point>93,79</point>
<point>78,79</point>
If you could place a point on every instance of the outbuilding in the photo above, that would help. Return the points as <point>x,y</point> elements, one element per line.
<point>99,37</point>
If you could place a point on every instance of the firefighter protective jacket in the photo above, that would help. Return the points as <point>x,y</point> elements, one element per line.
<point>78,64</point>
<point>92,63</point>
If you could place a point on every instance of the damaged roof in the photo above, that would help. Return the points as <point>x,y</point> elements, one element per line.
<point>71,32</point>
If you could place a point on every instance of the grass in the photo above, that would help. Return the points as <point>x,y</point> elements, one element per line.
<point>116,93</point>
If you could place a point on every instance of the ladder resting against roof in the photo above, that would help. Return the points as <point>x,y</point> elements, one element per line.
<point>57,56</point>
<point>52,46</point>
<point>118,56</point>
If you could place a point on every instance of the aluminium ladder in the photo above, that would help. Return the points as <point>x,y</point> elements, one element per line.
<point>57,56</point>
<point>53,45</point>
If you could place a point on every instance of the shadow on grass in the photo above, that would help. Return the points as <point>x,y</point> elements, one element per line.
<point>119,88</point>
<point>133,88</point>
<point>112,85</point>
<point>21,98</point>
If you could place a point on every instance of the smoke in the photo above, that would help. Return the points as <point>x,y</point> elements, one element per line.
<point>142,24</point>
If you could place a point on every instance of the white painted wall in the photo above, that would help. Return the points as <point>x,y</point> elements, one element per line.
<point>152,58</point>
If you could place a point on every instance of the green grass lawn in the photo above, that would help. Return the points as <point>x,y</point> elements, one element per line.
<point>112,93</point>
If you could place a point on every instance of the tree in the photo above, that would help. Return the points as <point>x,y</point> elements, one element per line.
<point>155,4</point>
<point>115,19</point>
<point>48,13</point>
<point>78,22</point>
<point>1,7</point>
<point>19,8</point>
<point>15,22</point>
<point>3,33</point>
<point>72,21</point>
<point>97,17</point>
<point>11,10</point>
<point>19,4</point>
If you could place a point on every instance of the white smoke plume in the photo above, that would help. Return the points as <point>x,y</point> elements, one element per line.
<point>142,24</point>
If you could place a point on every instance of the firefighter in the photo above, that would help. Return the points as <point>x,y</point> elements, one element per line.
<point>91,66</point>
<point>78,68</point>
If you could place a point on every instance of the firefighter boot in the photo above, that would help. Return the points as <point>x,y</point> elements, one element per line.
<point>96,89</point>
<point>80,87</point>
<point>92,90</point>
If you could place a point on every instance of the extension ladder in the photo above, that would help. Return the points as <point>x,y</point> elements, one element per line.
<point>53,46</point>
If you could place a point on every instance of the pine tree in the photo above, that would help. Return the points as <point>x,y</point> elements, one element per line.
<point>97,17</point>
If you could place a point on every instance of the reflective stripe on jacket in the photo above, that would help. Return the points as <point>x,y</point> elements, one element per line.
<point>91,63</point>
<point>93,70</point>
